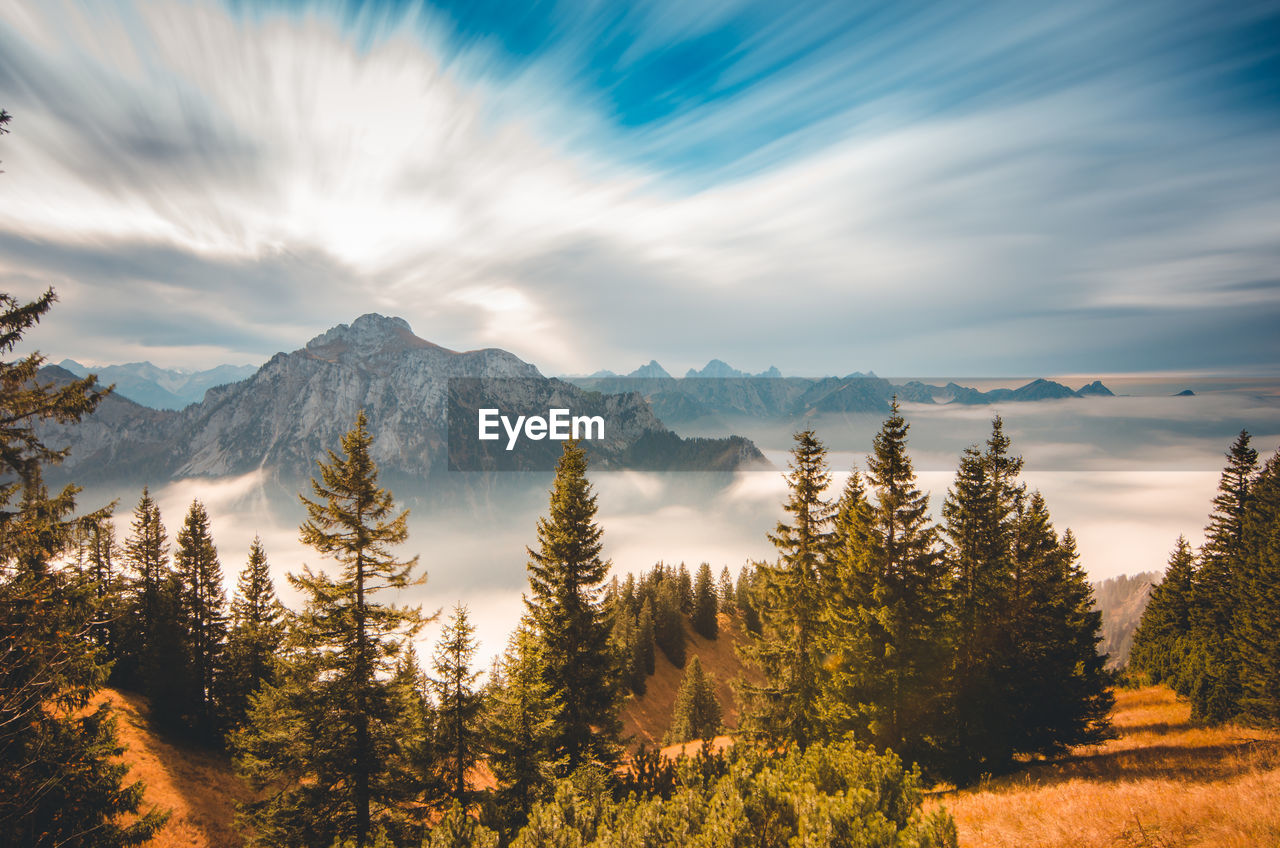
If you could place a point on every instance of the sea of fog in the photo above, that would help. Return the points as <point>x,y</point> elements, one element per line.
<point>1126,474</point>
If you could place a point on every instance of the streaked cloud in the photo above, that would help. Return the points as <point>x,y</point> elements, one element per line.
<point>1003,190</point>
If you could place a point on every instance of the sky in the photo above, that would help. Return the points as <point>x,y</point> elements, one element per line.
<point>914,188</point>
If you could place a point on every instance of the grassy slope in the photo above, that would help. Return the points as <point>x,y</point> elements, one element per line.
<point>645,718</point>
<point>1164,782</point>
<point>198,786</point>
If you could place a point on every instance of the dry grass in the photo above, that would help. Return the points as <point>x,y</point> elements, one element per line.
<point>1163,783</point>
<point>198,786</point>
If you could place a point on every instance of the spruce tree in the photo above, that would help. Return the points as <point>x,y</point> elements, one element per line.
<point>203,621</point>
<point>891,595</point>
<point>1160,642</point>
<point>522,729</point>
<point>256,636</point>
<point>1212,677</point>
<point>146,552</point>
<point>697,711</point>
<point>728,595</point>
<point>668,621</point>
<point>979,515</point>
<point>790,651</point>
<point>566,572</point>
<point>745,601</point>
<point>61,782</point>
<point>322,743</point>
<point>645,638</point>
<point>705,604</point>
<point>1257,620</point>
<point>458,704</point>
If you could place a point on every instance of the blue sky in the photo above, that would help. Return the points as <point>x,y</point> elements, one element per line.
<point>920,189</point>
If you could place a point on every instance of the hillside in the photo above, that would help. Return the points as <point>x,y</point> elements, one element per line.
<point>645,718</point>
<point>196,785</point>
<point>1122,600</point>
<point>1164,782</point>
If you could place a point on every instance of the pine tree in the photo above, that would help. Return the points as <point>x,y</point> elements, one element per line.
<point>458,703</point>
<point>668,622</point>
<point>890,595</point>
<point>1059,688</point>
<point>321,743</point>
<point>1213,677</point>
<point>705,604</point>
<point>980,513</point>
<point>728,595</point>
<point>203,621</point>
<point>565,576</point>
<point>60,780</point>
<point>645,638</point>
<point>522,729</point>
<point>697,712</point>
<point>790,652</point>
<point>1160,642</point>
<point>256,636</point>
<point>1257,621</point>
<point>745,602</point>
<point>146,552</point>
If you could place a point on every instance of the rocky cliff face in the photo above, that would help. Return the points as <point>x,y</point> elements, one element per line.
<point>299,404</point>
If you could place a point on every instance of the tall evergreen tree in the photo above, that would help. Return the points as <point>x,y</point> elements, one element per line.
<point>522,729</point>
<point>61,783</point>
<point>203,620</point>
<point>645,638</point>
<point>256,636</point>
<point>745,602</point>
<point>321,744</point>
<point>566,572</point>
<point>890,606</point>
<point>458,704</point>
<point>728,595</point>
<point>668,621</point>
<point>705,604</point>
<point>697,711</point>
<point>145,659</point>
<point>980,515</point>
<point>1160,642</point>
<point>1257,622</point>
<point>1212,677</point>
<point>790,650</point>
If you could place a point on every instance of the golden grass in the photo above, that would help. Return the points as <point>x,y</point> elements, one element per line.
<point>197,786</point>
<point>1163,783</point>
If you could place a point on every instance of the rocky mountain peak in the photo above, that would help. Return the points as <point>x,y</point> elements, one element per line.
<point>369,335</point>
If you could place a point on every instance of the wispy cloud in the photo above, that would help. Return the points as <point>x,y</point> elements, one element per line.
<point>1004,190</point>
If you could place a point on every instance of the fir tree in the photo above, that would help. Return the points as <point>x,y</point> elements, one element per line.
<point>1212,676</point>
<point>790,652</point>
<point>1257,621</point>
<point>728,595</point>
<point>645,637</point>
<point>522,729</point>
<point>203,617</point>
<point>891,598</point>
<point>668,622</point>
<point>458,704</point>
<point>144,657</point>
<point>256,636</point>
<point>705,604</point>
<point>745,602</point>
<point>321,744</point>
<point>697,710</point>
<point>60,780</point>
<point>565,575</point>
<point>1160,642</point>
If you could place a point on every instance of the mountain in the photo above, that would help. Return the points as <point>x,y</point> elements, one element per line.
<point>161,388</point>
<point>719,390</point>
<point>652,371</point>
<point>1185,393</point>
<point>1094,389</point>
<point>298,405</point>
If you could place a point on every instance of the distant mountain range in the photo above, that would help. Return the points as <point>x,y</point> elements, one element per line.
<point>161,388</point>
<point>294,408</point>
<point>719,389</point>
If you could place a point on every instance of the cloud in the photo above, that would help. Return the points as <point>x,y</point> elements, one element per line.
<point>1000,191</point>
